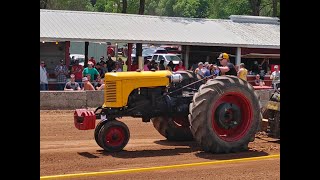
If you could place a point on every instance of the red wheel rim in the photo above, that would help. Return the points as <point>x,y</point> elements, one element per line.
<point>236,133</point>
<point>115,136</point>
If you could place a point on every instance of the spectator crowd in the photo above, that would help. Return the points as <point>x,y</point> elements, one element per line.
<point>92,77</point>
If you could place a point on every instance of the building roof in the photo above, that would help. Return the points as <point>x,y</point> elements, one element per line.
<point>239,31</point>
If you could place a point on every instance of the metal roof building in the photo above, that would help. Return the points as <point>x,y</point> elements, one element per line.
<point>239,31</point>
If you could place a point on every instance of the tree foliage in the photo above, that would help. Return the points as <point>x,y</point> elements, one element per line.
<point>75,5</point>
<point>221,9</point>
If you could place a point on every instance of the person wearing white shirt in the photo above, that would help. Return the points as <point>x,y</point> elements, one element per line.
<point>275,76</point>
<point>43,77</point>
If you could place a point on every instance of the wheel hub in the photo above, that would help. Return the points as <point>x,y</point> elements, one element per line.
<point>115,137</point>
<point>228,116</point>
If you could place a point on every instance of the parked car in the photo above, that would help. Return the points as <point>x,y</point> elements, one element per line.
<point>146,52</point>
<point>167,58</point>
<point>79,57</point>
<point>161,51</point>
<point>171,49</point>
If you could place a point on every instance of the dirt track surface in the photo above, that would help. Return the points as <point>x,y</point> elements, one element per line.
<point>66,150</point>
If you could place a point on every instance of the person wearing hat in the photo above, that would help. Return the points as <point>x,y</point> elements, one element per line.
<point>72,85</point>
<point>92,60</point>
<point>61,72</point>
<point>243,72</point>
<point>90,70</point>
<point>102,59</point>
<point>100,70</point>
<point>87,86</point>
<point>275,76</point>
<point>201,70</point>
<point>226,68</point>
<point>110,63</point>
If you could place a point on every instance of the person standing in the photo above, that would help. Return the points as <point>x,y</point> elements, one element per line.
<point>180,67</point>
<point>91,71</point>
<point>110,64</point>
<point>243,72</point>
<point>275,76</point>
<point>161,65</point>
<point>61,72</point>
<point>226,68</point>
<point>77,71</point>
<point>43,77</point>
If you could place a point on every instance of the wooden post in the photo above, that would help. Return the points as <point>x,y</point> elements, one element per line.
<point>129,56</point>
<point>86,47</point>
<point>67,53</point>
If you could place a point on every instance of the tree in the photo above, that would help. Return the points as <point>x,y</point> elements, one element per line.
<point>274,8</point>
<point>124,6</point>
<point>141,7</point>
<point>255,7</point>
<point>43,4</point>
<point>151,6</point>
<point>270,8</point>
<point>222,9</point>
<point>75,5</point>
<point>165,8</point>
<point>191,8</point>
<point>100,5</point>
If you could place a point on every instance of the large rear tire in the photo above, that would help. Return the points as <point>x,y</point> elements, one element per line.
<point>174,129</point>
<point>114,135</point>
<point>225,115</point>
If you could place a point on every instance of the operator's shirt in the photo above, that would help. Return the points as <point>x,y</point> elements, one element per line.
<point>232,70</point>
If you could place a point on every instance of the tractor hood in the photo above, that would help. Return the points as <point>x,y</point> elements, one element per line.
<point>131,75</point>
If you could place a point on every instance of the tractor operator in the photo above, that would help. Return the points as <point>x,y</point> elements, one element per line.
<point>226,68</point>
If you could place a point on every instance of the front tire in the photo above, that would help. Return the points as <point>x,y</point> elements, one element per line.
<point>114,136</point>
<point>97,130</point>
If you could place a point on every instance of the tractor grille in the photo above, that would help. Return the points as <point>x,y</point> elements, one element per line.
<point>110,93</point>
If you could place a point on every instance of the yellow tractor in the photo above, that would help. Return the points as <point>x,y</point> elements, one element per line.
<point>222,114</point>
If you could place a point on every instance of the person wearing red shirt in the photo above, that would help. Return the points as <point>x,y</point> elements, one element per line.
<point>77,71</point>
<point>180,67</point>
<point>134,65</point>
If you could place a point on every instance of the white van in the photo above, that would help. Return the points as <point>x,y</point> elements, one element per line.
<point>167,58</point>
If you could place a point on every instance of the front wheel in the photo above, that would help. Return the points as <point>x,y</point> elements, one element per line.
<point>97,130</point>
<point>114,136</point>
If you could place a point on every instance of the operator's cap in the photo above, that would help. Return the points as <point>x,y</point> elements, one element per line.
<point>223,56</point>
<point>276,67</point>
<point>84,79</point>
